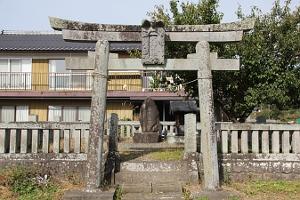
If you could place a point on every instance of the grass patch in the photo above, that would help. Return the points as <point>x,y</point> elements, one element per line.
<point>290,189</point>
<point>30,184</point>
<point>159,155</point>
<point>169,155</point>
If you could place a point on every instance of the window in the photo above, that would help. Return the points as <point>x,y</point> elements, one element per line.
<point>54,113</point>
<point>7,113</point>
<point>61,78</point>
<point>80,80</point>
<point>69,113</point>
<point>18,113</point>
<point>22,113</point>
<point>58,75</point>
<point>15,73</point>
<point>84,114</point>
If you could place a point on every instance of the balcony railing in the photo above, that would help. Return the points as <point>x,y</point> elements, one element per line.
<point>118,81</point>
<point>15,81</point>
<point>45,81</point>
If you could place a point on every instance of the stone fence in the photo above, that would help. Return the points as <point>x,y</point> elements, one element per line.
<point>261,149</point>
<point>43,137</point>
<point>250,151</point>
<point>259,138</point>
<point>62,137</point>
<point>128,128</point>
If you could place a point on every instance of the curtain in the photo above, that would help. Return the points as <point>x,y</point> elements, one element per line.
<point>22,113</point>
<point>26,69</point>
<point>54,113</point>
<point>59,77</point>
<point>84,114</point>
<point>4,76</point>
<point>69,114</point>
<point>8,114</point>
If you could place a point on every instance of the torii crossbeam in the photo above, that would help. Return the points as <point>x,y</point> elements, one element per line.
<point>153,36</point>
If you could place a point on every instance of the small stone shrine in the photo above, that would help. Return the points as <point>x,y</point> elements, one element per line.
<point>150,124</point>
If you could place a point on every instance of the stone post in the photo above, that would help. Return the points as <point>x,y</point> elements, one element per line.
<point>208,133</point>
<point>190,141</point>
<point>98,109</point>
<point>113,137</point>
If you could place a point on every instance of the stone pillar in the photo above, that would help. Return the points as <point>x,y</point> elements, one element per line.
<point>275,142</point>
<point>190,141</point>
<point>113,137</point>
<point>255,142</point>
<point>98,109</point>
<point>210,156</point>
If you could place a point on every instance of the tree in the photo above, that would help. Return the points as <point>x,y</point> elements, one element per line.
<point>269,57</point>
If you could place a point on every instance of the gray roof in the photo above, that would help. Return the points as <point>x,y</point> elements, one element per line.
<point>52,42</point>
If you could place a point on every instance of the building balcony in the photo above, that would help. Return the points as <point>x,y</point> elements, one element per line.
<point>121,85</point>
<point>12,81</point>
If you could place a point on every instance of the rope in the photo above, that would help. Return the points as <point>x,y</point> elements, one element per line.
<point>196,80</point>
<point>99,74</point>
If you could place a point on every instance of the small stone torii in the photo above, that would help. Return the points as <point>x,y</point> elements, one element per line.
<point>153,36</point>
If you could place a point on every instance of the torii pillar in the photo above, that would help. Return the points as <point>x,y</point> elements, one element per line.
<point>207,118</point>
<point>94,175</point>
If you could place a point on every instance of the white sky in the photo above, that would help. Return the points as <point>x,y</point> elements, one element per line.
<point>33,14</point>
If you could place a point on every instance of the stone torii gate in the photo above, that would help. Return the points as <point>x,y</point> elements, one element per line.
<point>153,36</point>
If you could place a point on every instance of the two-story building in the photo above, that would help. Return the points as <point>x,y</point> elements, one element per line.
<point>35,84</point>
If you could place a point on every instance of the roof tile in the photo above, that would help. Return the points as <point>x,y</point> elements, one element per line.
<point>53,42</point>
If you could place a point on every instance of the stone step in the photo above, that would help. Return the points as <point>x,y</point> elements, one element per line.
<point>167,188</point>
<point>154,166</point>
<point>136,188</point>
<point>147,146</point>
<point>82,195</point>
<point>152,188</point>
<point>152,177</point>
<point>153,196</point>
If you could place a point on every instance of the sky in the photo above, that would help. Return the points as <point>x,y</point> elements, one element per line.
<point>33,14</point>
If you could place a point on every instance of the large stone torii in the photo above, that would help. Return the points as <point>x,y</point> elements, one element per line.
<point>153,36</point>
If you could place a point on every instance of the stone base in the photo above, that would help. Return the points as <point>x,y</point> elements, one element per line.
<point>83,195</point>
<point>148,137</point>
<point>175,139</point>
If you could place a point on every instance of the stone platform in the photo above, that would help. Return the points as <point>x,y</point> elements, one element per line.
<point>147,137</point>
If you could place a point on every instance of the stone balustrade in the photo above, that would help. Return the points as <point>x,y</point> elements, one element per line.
<point>128,128</point>
<point>54,137</point>
<point>45,137</point>
<point>259,138</point>
<point>64,137</point>
<point>245,149</point>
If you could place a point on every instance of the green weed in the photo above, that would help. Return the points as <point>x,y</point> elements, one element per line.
<point>118,193</point>
<point>28,184</point>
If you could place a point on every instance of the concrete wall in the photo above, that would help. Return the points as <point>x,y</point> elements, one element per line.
<point>63,165</point>
<point>244,167</point>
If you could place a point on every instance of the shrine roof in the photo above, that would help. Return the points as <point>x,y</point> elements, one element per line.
<point>183,106</point>
<point>52,41</point>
